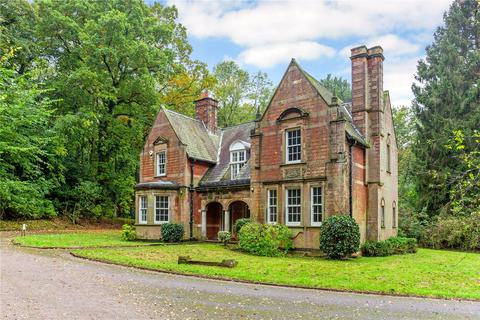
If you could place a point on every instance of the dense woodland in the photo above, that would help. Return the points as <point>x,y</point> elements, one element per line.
<point>81,81</point>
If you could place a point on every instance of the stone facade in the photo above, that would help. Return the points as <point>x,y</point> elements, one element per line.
<point>347,163</point>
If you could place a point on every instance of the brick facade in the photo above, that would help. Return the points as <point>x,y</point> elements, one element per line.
<point>343,154</point>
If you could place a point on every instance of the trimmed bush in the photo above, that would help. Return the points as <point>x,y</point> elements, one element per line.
<point>240,223</point>
<point>265,240</point>
<point>339,236</point>
<point>224,236</point>
<point>391,246</point>
<point>172,232</point>
<point>128,232</point>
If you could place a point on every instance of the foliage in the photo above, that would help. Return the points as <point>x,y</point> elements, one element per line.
<point>434,273</point>
<point>457,232</point>
<point>391,246</point>
<point>128,232</point>
<point>30,148</point>
<point>172,232</point>
<point>239,223</point>
<point>240,95</point>
<point>339,86</point>
<point>339,236</point>
<point>265,240</point>
<point>447,97</point>
<point>224,236</point>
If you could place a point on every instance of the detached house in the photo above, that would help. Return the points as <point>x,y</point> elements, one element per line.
<point>309,156</point>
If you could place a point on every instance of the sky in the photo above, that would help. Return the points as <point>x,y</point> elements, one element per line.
<point>265,35</point>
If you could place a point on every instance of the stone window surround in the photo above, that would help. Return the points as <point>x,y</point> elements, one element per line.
<point>159,149</point>
<point>286,206</point>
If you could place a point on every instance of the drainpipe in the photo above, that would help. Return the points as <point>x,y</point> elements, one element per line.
<point>190,192</point>
<point>350,177</point>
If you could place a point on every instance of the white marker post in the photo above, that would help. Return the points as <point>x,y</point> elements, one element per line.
<point>24,229</point>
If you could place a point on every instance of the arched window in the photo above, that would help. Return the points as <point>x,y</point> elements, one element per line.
<point>238,157</point>
<point>382,213</point>
<point>394,214</point>
<point>389,156</point>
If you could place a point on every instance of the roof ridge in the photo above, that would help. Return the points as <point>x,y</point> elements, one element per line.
<point>240,124</point>
<point>181,114</point>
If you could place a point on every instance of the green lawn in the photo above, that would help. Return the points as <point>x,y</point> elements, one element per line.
<point>434,273</point>
<point>78,239</point>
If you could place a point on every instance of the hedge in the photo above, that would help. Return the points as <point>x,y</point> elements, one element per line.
<point>391,246</point>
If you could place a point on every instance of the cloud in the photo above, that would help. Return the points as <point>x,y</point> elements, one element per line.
<point>272,32</point>
<point>393,46</point>
<point>269,55</point>
<point>251,24</point>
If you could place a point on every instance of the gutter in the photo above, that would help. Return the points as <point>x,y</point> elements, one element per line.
<point>350,176</point>
<point>190,193</point>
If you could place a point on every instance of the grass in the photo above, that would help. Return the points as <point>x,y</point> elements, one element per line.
<point>109,238</point>
<point>433,273</point>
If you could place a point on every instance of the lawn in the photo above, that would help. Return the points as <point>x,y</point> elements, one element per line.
<point>434,273</point>
<point>109,238</point>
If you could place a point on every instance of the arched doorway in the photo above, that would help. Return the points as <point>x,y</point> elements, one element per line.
<point>238,210</point>
<point>214,220</point>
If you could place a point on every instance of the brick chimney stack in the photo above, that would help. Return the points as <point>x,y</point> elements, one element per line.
<point>367,86</point>
<point>206,109</point>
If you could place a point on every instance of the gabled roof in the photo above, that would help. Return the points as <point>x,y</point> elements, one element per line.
<point>200,144</point>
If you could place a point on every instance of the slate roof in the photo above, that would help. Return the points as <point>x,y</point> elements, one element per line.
<point>200,144</point>
<point>220,173</point>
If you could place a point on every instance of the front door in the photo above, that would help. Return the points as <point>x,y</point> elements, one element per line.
<point>214,220</point>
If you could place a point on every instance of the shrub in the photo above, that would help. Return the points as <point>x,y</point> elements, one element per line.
<point>172,232</point>
<point>224,236</point>
<point>265,240</point>
<point>240,223</point>
<point>128,232</point>
<point>454,233</point>
<point>339,236</point>
<point>394,245</point>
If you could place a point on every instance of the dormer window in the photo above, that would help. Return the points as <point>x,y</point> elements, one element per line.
<point>238,157</point>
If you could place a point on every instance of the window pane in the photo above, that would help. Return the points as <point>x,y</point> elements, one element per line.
<point>293,205</point>
<point>161,208</point>
<point>293,145</point>
<point>161,160</point>
<point>272,206</point>
<point>316,204</point>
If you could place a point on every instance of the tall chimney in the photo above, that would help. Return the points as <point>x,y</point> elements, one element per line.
<point>367,86</point>
<point>360,91</point>
<point>206,109</point>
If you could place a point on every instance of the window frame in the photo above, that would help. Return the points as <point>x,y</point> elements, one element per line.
<point>287,206</point>
<point>141,208</point>
<point>312,222</point>
<point>157,163</point>
<point>237,165</point>
<point>382,214</point>
<point>155,220</point>
<point>270,206</point>
<point>287,145</point>
<point>389,158</point>
<point>394,215</point>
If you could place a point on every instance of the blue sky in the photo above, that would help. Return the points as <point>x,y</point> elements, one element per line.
<point>265,35</point>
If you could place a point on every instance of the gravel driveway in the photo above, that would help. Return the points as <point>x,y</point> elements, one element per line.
<point>51,284</point>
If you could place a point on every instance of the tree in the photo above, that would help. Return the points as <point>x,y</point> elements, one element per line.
<point>17,22</point>
<point>447,99</point>
<point>339,86</point>
<point>240,95</point>
<point>114,62</point>
<point>30,148</point>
